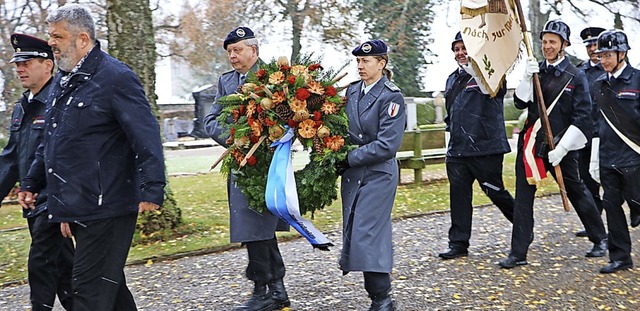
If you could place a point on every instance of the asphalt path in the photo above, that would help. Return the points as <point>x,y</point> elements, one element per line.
<point>558,276</point>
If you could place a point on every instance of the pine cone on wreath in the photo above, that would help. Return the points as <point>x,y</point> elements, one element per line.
<point>284,112</point>
<point>318,145</point>
<point>262,116</point>
<point>314,102</point>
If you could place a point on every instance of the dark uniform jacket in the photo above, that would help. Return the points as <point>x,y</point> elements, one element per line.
<point>625,91</point>
<point>25,134</point>
<point>102,154</point>
<point>474,120</point>
<point>573,107</point>
<point>593,73</point>
<point>246,225</point>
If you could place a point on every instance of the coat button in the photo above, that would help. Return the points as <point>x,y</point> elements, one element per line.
<point>50,170</point>
<point>50,216</point>
<point>54,125</point>
<point>80,104</point>
<point>360,135</point>
<point>358,182</point>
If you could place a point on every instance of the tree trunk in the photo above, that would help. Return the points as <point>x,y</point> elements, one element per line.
<point>297,21</point>
<point>538,19</point>
<point>131,40</point>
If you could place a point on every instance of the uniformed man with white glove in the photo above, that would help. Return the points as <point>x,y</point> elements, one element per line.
<point>566,96</point>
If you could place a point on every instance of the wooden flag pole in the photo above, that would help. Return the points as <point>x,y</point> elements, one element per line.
<point>542,109</point>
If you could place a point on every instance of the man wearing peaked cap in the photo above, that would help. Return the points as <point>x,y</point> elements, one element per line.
<point>50,259</point>
<point>371,48</point>
<point>593,69</point>
<point>256,231</point>
<point>237,35</point>
<point>27,47</point>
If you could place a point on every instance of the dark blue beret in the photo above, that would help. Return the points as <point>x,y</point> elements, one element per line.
<point>237,35</point>
<point>371,48</point>
<point>27,47</point>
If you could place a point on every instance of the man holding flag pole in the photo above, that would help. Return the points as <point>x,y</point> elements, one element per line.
<point>567,109</point>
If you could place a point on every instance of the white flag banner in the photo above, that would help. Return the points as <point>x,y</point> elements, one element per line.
<point>492,36</point>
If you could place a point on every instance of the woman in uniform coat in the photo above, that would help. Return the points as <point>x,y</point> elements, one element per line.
<point>377,117</point>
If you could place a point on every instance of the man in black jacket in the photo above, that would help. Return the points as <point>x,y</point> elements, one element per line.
<point>50,254</point>
<point>615,159</point>
<point>565,93</point>
<point>475,151</point>
<point>101,159</point>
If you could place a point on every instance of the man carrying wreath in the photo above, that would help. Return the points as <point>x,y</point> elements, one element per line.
<point>253,229</point>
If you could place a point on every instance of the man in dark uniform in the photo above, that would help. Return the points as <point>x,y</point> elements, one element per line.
<point>50,255</point>
<point>565,92</point>
<point>593,69</point>
<point>617,161</point>
<point>254,230</point>
<point>476,148</point>
<point>101,159</point>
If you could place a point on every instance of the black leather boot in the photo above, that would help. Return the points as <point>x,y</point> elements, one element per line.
<point>382,303</point>
<point>279,294</point>
<point>261,300</point>
<point>378,286</point>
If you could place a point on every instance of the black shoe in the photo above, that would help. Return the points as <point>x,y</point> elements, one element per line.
<point>582,233</point>
<point>261,300</point>
<point>616,265</point>
<point>598,250</point>
<point>279,294</point>
<point>385,303</point>
<point>454,253</point>
<point>634,219</point>
<point>511,262</point>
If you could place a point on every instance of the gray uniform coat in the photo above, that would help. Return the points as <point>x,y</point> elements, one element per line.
<point>376,125</point>
<point>246,224</point>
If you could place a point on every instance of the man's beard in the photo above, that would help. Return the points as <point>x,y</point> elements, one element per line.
<point>65,62</point>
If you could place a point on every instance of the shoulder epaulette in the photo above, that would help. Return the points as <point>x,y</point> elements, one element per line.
<point>392,86</point>
<point>354,82</point>
<point>228,72</point>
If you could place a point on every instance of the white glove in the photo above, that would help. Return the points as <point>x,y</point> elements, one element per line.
<point>556,155</point>
<point>573,139</point>
<point>524,91</point>
<point>594,164</point>
<point>531,68</point>
<point>447,137</point>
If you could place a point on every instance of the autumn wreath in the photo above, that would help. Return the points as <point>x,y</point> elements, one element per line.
<point>275,98</point>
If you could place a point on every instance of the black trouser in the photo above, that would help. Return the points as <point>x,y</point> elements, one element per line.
<point>50,264</point>
<point>102,247</point>
<point>377,284</point>
<point>582,201</point>
<point>584,156</point>
<point>618,184</point>
<point>265,262</point>
<point>462,172</point>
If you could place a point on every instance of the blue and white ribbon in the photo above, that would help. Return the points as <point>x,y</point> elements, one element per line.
<point>282,196</point>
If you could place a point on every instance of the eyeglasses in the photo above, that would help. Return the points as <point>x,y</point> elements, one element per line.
<point>607,55</point>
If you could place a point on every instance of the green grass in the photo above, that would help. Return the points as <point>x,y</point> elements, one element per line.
<point>203,201</point>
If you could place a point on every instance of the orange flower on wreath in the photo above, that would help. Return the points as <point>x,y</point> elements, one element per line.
<point>316,87</point>
<point>276,77</point>
<point>334,142</point>
<point>278,97</point>
<point>328,107</point>
<point>297,105</point>
<point>307,128</point>
<point>298,70</point>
